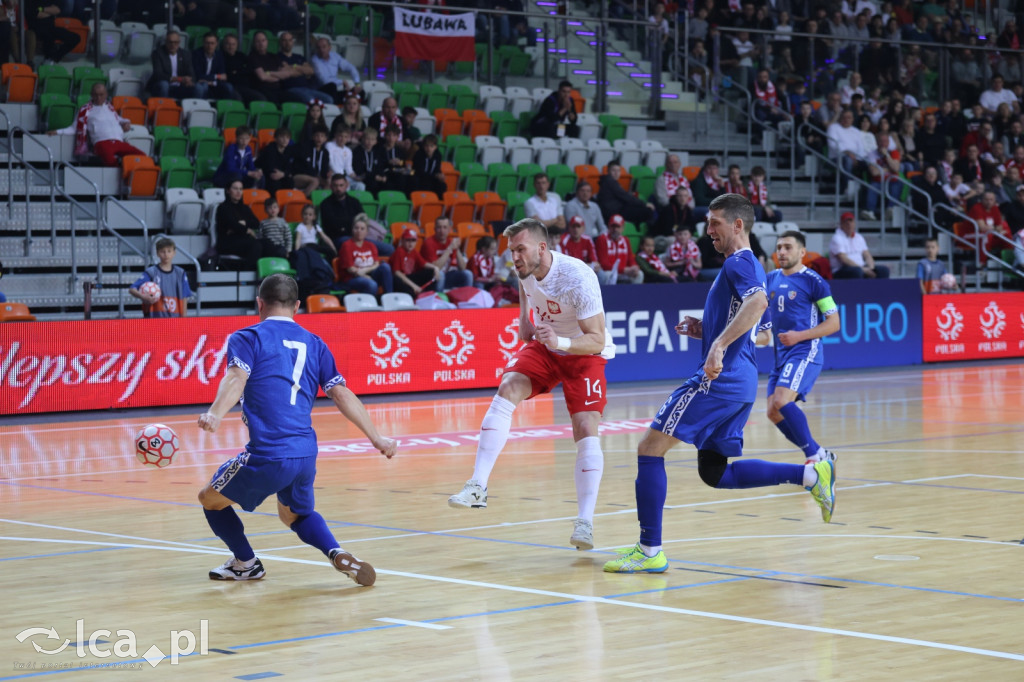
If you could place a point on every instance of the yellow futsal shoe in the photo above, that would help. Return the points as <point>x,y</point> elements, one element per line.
<point>824,491</point>
<point>635,561</point>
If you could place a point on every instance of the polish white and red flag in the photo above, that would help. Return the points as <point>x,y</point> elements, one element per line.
<point>430,36</point>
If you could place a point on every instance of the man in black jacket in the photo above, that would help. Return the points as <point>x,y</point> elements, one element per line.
<point>931,141</point>
<point>211,73</point>
<point>40,16</point>
<point>277,161</point>
<point>339,210</point>
<point>613,199</point>
<point>238,70</point>
<point>557,115</point>
<point>172,70</point>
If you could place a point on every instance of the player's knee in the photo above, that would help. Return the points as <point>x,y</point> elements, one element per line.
<point>711,466</point>
<point>514,387</point>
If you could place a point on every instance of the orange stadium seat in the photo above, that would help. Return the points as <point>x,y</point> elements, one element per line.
<point>466,231</point>
<point>75,26</point>
<point>588,173</point>
<point>448,122</point>
<point>490,207</point>
<point>324,303</point>
<point>254,198</point>
<point>426,206</point>
<point>477,122</point>
<point>578,101</point>
<point>625,179</point>
<point>15,312</point>
<point>459,207</point>
<point>451,176</point>
<point>141,176</point>
<point>163,111</point>
<point>691,172</point>
<point>132,109</point>
<point>266,136</point>
<point>19,81</point>
<point>291,201</point>
<point>398,228</point>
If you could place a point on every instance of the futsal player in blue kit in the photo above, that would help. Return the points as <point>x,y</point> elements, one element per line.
<point>711,408</point>
<point>276,367</point>
<point>802,312</point>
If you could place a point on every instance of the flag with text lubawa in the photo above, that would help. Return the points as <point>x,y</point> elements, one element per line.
<point>425,35</point>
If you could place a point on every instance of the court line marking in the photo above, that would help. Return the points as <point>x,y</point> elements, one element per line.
<point>414,623</point>
<point>600,600</point>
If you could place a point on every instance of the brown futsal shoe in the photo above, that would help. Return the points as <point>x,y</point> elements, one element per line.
<point>354,568</point>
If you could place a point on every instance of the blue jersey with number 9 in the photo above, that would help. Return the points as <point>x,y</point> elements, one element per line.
<point>286,365</point>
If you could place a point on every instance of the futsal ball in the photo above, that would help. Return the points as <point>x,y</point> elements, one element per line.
<point>156,445</point>
<point>150,289</point>
<point>947,282</point>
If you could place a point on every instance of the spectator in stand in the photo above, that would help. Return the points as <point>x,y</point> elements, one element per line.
<point>358,266</point>
<point>945,167</point>
<point>876,62</point>
<point>931,197</point>
<point>991,226</point>
<point>277,161</point>
<point>680,211</point>
<point>847,145</point>
<point>650,264</point>
<point>852,87</point>
<point>99,126</point>
<point>41,18</point>
<point>313,162</point>
<point>445,253</point>
<point>970,167</point>
<point>366,162</point>
<point>545,206</point>
<point>811,134</point>
<point>351,117</point>
<point>883,167</point>
<point>734,181</point>
<point>412,274</point>
<point>340,155</point>
<point>757,192</point>
<point>391,163</point>
<point>672,178</point>
<point>614,200</point>
<point>275,235</point>
<point>1013,212</point>
<point>581,206</point>
<point>237,228</point>
<point>482,264</point>
<point>211,71</point>
<point>930,142</point>
<point>830,112</point>
<point>767,105</point>
<point>327,64</point>
<point>615,255</point>
<point>238,163</point>
<point>174,292</point>
<point>707,185</point>
<point>684,256</point>
<point>577,244</point>
<point>1003,121</point>
<point>338,211</point>
<point>996,186</point>
<point>1012,180</point>
<point>411,131</point>
<point>309,234</point>
<point>930,269</point>
<point>295,75</point>
<point>966,76</point>
<point>996,95</point>
<point>911,158</point>
<point>314,118</point>
<point>266,69</point>
<point>981,137</point>
<point>958,192</point>
<point>238,70</point>
<point>557,115</point>
<point>388,116</point>
<point>173,75</point>
<point>426,168</point>
<point>850,257</point>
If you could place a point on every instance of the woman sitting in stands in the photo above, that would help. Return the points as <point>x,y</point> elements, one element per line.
<point>238,229</point>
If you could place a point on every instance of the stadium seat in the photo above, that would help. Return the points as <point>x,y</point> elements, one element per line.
<point>520,100</point>
<point>654,153</point>
<point>614,128</point>
<point>230,135</point>
<point>425,121</point>
<point>57,111</point>
<point>318,195</point>
<point>490,207</point>
<point>574,151</point>
<point>177,171</point>
<point>448,123</point>
<point>291,201</point>
<point>459,206</point>
<point>397,300</point>
<point>643,180</point>
<point>206,168</point>
<point>627,153</point>
<point>205,142</point>
<point>264,137</point>
<point>126,83</point>
<point>254,198</point>
<point>397,229</point>
<point>563,179</point>
<point>691,172</point>
<point>502,179</point>
<point>466,231</point>
<point>163,111</point>
<point>140,138</point>
<point>489,149</point>
<point>140,42</point>
<point>433,96</point>
<point>515,206</point>
<point>459,149</point>
<point>517,150</point>
<point>504,124</point>
<point>75,26</point>
<point>545,151</point>
<point>526,171</point>
<point>15,312</point>
<point>111,41</point>
<point>132,109</point>
<point>84,77</point>
<point>477,123</point>
<point>601,152</point>
<point>513,61</point>
<point>589,173</point>
<point>232,114</point>
<point>461,97</point>
<point>474,178</point>
<point>590,127</point>
<point>361,303</point>
<point>54,79</point>
<point>492,99</point>
<point>451,176</point>
<point>198,112</point>
<point>395,207</point>
<point>264,115</point>
<point>539,95</point>
<point>323,303</point>
<point>376,93</point>
<point>265,267</point>
<point>195,34</point>
<point>19,82</point>
<point>293,117</point>
<point>370,204</point>
<point>140,175</point>
<point>185,211</point>
<point>407,94</point>
<point>170,141</point>
<point>426,207</point>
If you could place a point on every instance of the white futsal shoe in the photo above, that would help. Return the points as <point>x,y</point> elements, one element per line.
<point>582,535</point>
<point>473,496</point>
<point>233,569</point>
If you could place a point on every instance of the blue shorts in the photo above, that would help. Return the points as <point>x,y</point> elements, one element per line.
<point>706,421</point>
<point>797,374</point>
<point>248,480</point>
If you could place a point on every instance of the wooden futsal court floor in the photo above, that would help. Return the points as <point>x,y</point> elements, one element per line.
<point>919,578</point>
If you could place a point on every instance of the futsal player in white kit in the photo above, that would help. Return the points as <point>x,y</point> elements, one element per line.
<point>567,344</point>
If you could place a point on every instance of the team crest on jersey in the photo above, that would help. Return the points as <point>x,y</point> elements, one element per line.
<point>553,308</point>
<point>792,295</point>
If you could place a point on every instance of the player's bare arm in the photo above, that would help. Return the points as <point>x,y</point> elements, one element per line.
<point>526,328</point>
<point>349,405</point>
<point>746,317</point>
<point>591,343</point>
<point>691,327</point>
<point>764,337</point>
<point>229,392</point>
<point>830,325</point>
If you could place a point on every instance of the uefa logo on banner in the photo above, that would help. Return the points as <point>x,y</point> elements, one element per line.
<point>455,344</point>
<point>993,321</point>
<point>389,347</point>
<point>950,323</point>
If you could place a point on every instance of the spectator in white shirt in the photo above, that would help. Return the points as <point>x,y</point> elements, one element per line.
<point>996,95</point>
<point>847,145</point>
<point>849,255</point>
<point>545,207</point>
<point>327,64</point>
<point>97,125</point>
<point>852,88</point>
<point>341,157</point>
<point>581,205</point>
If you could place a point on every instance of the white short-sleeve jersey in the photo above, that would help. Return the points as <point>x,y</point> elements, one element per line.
<point>568,293</point>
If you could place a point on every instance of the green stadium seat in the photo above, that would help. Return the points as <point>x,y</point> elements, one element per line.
<point>177,171</point>
<point>264,115</point>
<point>85,77</point>
<point>614,128</point>
<point>170,141</point>
<point>461,97</point>
<point>433,96</point>
<point>54,79</point>
<point>205,142</point>
<point>395,207</point>
<point>231,113</point>
<point>643,180</point>
<point>370,204</point>
<point>265,267</point>
<point>563,179</point>
<point>505,124</point>
<point>503,179</point>
<point>515,205</point>
<point>407,94</point>
<point>526,171</point>
<point>57,111</point>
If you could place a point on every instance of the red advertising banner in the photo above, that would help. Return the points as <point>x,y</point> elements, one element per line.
<point>65,366</point>
<point>973,326</point>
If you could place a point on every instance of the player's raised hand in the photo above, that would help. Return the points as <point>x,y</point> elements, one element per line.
<point>209,422</point>
<point>790,338</point>
<point>546,335</point>
<point>714,364</point>
<point>387,446</point>
<point>690,326</point>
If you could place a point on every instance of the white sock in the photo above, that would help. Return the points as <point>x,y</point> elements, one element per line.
<point>588,470</point>
<point>493,436</point>
<point>650,551</point>
<point>810,476</point>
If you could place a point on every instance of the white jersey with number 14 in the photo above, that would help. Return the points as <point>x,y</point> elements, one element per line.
<point>568,293</point>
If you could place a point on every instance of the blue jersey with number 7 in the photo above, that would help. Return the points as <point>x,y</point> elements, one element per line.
<point>286,365</point>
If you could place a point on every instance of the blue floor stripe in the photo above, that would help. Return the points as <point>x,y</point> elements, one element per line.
<point>258,676</point>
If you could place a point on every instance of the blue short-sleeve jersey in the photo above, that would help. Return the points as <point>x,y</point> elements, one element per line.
<point>741,276</point>
<point>286,365</point>
<point>798,302</point>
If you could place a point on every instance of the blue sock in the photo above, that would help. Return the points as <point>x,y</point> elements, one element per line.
<point>313,530</point>
<point>228,527</point>
<point>783,426</point>
<point>651,489</point>
<point>757,473</point>
<point>794,416</point>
